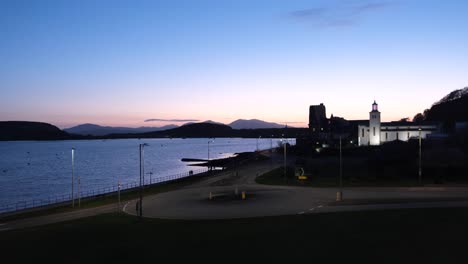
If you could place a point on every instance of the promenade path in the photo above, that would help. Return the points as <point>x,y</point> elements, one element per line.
<point>264,200</point>
<point>55,218</point>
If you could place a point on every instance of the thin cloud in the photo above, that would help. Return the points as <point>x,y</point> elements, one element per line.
<point>309,13</point>
<point>372,6</point>
<point>171,120</point>
<point>338,15</point>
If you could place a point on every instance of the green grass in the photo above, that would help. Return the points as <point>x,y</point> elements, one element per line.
<point>108,198</point>
<point>392,236</point>
<point>276,177</point>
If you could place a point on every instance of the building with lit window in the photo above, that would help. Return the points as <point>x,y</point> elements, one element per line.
<point>377,133</point>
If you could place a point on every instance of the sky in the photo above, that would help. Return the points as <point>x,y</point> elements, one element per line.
<point>119,63</point>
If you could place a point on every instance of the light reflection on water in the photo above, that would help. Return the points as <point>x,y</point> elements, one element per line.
<point>42,169</point>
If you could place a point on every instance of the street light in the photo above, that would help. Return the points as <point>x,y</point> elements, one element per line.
<point>271,143</point>
<point>271,151</point>
<point>209,141</point>
<point>142,173</point>
<point>339,194</point>
<point>73,177</point>
<point>150,174</point>
<point>420,161</point>
<point>79,190</point>
<point>284,147</point>
<point>118,196</point>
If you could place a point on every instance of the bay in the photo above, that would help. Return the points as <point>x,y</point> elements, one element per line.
<point>36,170</point>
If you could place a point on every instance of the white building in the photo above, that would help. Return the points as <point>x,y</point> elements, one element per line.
<point>377,133</point>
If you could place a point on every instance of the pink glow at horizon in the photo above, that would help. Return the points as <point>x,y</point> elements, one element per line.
<point>227,60</point>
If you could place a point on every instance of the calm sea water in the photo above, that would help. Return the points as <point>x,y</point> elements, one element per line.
<point>42,169</point>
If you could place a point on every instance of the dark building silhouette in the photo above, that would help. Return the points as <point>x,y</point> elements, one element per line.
<point>318,122</point>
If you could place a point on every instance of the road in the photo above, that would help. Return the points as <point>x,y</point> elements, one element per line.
<point>263,200</point>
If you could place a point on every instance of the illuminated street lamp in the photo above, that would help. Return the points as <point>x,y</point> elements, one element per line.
<point>209,141</point>
<point>208,163</point>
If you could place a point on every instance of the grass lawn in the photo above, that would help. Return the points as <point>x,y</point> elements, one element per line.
<point>392,236</point>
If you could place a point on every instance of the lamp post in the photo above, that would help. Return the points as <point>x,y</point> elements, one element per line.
<point>339,194</point>
<point>73,177</point>
<point>209,141</point>
<point>284,147</point>
<point>271,152</point>
<point>150,174</point>
<point>118,196</point>
<point>271,143</point>
<point>142,173</point>
<point>420,170</point>
<point>79,190</point>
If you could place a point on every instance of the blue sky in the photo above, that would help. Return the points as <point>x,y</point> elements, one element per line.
<point>122,62</point>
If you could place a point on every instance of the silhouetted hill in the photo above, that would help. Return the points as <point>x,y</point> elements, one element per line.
<point>96,130</point>
<point>253,124</point>
<point>208,130</point>
<point>195,130</point>
<point>450,109</point>
<point>457,94</point>
<point>207,121</point>
<point>24,130</point>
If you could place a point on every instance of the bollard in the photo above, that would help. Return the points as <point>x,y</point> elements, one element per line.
<point>339,196</point>
<point>210,196</point>
<point>243,195</point>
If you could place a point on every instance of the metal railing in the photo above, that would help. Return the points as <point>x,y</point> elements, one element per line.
<point>67,198</point>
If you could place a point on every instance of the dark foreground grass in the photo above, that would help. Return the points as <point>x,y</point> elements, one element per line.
<point>392,236</point>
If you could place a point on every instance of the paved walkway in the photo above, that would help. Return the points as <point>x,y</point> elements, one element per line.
<point>56,218</point>
<point>264,200</point>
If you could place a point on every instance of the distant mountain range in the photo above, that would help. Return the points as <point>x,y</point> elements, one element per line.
<point>253,124</point>
<point>97,130</point>
<point>213,130</point>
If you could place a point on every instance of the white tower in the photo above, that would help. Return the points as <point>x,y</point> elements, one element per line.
<point>374,125</point>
